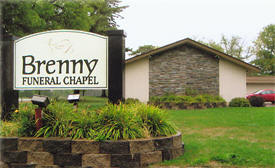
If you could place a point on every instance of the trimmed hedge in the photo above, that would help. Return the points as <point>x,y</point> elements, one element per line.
<point>256,101</point>
<point>239,102</point>
<point>187,102</point>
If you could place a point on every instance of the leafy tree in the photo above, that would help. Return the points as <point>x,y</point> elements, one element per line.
<point>23,17</point>
<point>214,45</point>
<point>233,46</point>
<point>143,49</point>
<point>264,49</point>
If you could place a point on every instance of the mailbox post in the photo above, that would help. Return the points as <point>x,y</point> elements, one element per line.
<point>74,98</point>
<point>41,101</point>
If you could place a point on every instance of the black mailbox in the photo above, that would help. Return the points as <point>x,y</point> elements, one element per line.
<point>74,98</point>
<point>41,101</point>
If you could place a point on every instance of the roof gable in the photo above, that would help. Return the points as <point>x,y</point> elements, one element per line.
<point>200,46</point>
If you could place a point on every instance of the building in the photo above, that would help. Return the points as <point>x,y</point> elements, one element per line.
<point>182,65</point>
<point>255,83</point>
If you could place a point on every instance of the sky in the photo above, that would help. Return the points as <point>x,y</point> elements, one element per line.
<point>161,22</point>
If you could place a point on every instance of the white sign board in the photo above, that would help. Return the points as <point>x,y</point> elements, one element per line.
<point>61,59</point>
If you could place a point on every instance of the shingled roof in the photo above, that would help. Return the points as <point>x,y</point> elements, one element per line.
<point>200,46</point>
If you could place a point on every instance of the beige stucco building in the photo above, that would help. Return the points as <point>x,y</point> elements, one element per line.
<point>256,83</point>
<point>185,64</point>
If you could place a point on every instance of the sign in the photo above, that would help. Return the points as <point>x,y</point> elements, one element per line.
<point>61,59</point>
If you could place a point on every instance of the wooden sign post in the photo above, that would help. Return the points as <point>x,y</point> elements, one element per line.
<point>9,97</point>
<point>116,65</point>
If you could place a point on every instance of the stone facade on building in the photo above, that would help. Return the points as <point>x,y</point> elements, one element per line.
<point>184,67</point>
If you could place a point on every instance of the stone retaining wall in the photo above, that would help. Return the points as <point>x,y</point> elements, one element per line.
<point>67,153</point>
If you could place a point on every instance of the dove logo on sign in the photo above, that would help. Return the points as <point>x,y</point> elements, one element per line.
<point>63,46</point>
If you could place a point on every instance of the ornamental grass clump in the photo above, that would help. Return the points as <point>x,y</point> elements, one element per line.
<point>115,122</point>
<point>57,120</point>
<point>111,122</point>
<point>154,121</point>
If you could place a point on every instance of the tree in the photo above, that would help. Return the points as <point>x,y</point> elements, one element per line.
<point>22,17</point>
<point>214,45</point>
<point>233,46</point>
<point>264,49</point>
<point>143,49</point>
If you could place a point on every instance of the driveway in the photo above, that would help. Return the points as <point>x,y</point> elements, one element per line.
<point>269,104</point>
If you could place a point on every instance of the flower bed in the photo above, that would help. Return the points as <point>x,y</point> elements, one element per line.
<point>112,122</point>
<point>132,135</point>
<point>57,152</point>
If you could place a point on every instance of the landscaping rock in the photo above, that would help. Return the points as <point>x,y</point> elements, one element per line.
<point>96,160</point>
<point>47,166</point>
<point>84,146</point>
<point>3,165</point>
<point>14,165</point>
<point>182,105</point>
<point>150,157</point>
<point>125,160</point>
<point>68,159</point>
<point>8,144</point>
<point>177,140</point>
<point>14,157</point>
<point>30,144</point>
<point>163,143</point>
<point>170,154</point>
<point>115,147</point>
<point>141,146</point>
<point>76,167</point>
<point>41,158</point>
<point>57,145</point>
<point>65,153</point>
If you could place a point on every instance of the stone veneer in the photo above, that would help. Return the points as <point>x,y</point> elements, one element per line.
<point>59,153</point>
<point>183,67</point>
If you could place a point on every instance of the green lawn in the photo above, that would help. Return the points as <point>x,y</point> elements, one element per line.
<point>239,137</point>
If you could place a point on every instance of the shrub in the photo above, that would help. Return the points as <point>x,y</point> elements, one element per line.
<point>256,101</point>
<point>168,98</point>
<point>219,99</point>
<point>209,100</point>
<point>187,99</point>
<point>191,92</point>
<point>25,119</point>
<point>200,99</point>
<point>8,129</point>
<point>239,102</point>
<point>131,101</point>
<point>154,100</point>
